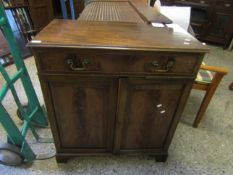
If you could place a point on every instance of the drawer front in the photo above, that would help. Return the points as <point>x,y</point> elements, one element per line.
<point>74,62</point>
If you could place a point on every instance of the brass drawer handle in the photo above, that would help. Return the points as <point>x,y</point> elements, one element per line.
<point>168,66</point>
<point>83,67</point>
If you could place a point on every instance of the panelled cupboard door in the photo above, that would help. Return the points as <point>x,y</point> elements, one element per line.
<point>221,24</point>
<point>85,112</point>
<point>41,12</point>
<point>145,111</point>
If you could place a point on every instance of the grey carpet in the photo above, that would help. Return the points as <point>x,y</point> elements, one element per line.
<point>206,150</point>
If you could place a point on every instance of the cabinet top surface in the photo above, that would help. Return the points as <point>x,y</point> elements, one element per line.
<point>124,30</point>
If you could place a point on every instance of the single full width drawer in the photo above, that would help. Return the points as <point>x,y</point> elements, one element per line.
<point>80,62</point>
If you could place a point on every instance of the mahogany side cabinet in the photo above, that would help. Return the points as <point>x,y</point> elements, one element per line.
<point>113,87</point>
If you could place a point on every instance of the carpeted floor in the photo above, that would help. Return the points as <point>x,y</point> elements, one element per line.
<point>206,150</point>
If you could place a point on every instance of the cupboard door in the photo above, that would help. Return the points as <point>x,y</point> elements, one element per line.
<point>220,24</point>
<point>85,112</point>
<point>41,13</point>
<point>145,112</point>
<point>220,30</point>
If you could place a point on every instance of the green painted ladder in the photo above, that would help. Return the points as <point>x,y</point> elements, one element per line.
<point>32,113</point>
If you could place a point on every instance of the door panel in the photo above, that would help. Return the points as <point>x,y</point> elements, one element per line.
<point>220,24</point>
<point>41,13</point>
<point>146,114</point>
<point>85,112</point>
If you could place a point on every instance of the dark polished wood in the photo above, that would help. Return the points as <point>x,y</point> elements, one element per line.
<point>148,110</point>
<point>110,62</point>
<point>114,35</point>
<point>89,103</point>
<point>211,20</point>
<point>41,12</point>
<point>114,84</point>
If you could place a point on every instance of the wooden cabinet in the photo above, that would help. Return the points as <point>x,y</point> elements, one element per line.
<point>107,108</point>
<point>41,13</point>
<point>221,26</point>
<point>109,114</point>
<point>31,15</point>
<point>211,20</point>
<point>113,87</point>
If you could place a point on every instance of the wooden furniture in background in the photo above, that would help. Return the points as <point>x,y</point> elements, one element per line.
<point>5,55</point>
<point>115,84</point>
<point>26,17</point>
<point>4,50</point>
<point>211,20</point>
<point>210,85</point>
<point>39,11</point>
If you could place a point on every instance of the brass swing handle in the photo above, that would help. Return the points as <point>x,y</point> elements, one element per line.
<point>169,64</point>
<point>83,67</point>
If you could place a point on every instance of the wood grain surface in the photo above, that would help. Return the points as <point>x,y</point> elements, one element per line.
<point>121,36</point>
<point>118,102</point>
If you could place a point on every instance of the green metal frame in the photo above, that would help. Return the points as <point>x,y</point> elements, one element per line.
<point>34,111</point>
